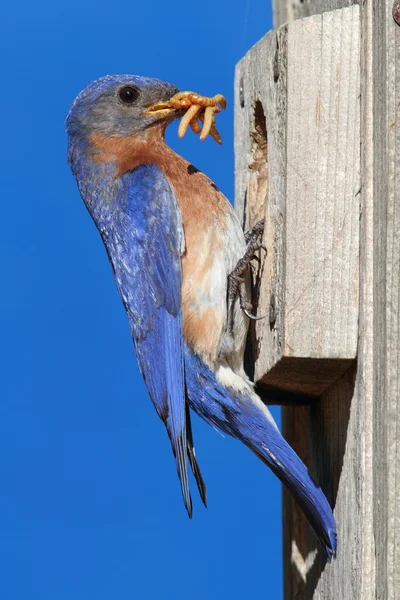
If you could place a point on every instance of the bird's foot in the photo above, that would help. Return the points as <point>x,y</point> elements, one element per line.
<point>236,279</point>
<point>198,108</point>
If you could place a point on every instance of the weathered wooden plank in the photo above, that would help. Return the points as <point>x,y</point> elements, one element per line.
<point>290,10</point>
<point>335,436</point>
<point>367,505</point>
<point>350,437</point>
<point>260,147</point>
<point>384,51</point>
<point>298,165</point>
<point>325,436</point>
<point>323,186</point>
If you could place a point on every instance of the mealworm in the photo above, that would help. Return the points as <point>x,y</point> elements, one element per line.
<point>197,108</point>
<point>205,102</point>
<point>215,134</point>
<point>186,99</point>
<point>195,125</point>
<point>213,131</point>
<point>219,99</point>
<point>187,118</point>
<point>209,120</point>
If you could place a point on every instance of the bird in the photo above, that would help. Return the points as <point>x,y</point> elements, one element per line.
<point>173,241</point>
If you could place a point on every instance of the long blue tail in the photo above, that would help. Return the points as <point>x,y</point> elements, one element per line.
<point>241,417</point>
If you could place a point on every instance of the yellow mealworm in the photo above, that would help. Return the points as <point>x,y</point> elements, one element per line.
<point>183,100</point>
<point>196,107</point>
<point>215,135</point>
<point>180,95</point>
<point>213,131</point>
<point>208,122</point>
<point>205,102</point>
<point>186,99</point>
<point>195,125</point>
<point>218,99</point>
<point>189,115</point>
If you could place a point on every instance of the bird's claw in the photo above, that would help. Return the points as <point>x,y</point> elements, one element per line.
<point>247,307</point>
<point>236,279</point>
<point>251,316</point>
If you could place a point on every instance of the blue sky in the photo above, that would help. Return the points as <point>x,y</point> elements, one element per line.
<point>90,506</point>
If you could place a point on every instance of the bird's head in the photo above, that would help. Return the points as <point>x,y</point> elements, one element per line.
<point>121,105</point>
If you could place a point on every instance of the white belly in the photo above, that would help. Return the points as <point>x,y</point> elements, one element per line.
<point>204,295</point>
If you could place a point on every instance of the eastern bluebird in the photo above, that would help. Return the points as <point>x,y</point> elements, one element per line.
<point>173,239</point>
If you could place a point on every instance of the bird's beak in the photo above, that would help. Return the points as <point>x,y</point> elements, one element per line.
<point>171,107</point>
<point>161,109</point>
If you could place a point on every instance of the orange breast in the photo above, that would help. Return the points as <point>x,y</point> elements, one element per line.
<point>204,211</point>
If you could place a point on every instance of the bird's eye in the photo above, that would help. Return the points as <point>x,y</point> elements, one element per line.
<point>128,94</point>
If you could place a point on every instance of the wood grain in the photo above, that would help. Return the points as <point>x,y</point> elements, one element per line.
<point>289,10</point>
<point>297,137</point>
<point>350,437</point>
<point>323,186</point>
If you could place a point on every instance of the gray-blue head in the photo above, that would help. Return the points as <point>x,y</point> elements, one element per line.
<point>117,105</point>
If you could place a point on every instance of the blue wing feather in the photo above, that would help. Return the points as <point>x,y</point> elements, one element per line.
<point>144,240</point>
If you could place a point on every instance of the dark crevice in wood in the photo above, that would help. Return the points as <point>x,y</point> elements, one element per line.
<point>257,185</point>
<point>318,433</point>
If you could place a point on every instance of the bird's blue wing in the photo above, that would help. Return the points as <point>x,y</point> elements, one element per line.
<point>144,247</point>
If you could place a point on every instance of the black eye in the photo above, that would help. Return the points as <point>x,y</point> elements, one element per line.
<point>128,94</point>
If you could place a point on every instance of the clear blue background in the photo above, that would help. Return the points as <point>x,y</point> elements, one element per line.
<point>90,506</point>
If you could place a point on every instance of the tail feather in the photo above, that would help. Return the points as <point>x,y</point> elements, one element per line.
<point>308,494</point>
<point>242,415</point>
<point>192,459</point>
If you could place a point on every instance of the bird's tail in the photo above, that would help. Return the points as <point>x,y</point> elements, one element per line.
<point>192,458</point>
<point>285,463</point>
<point>242,415</point>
